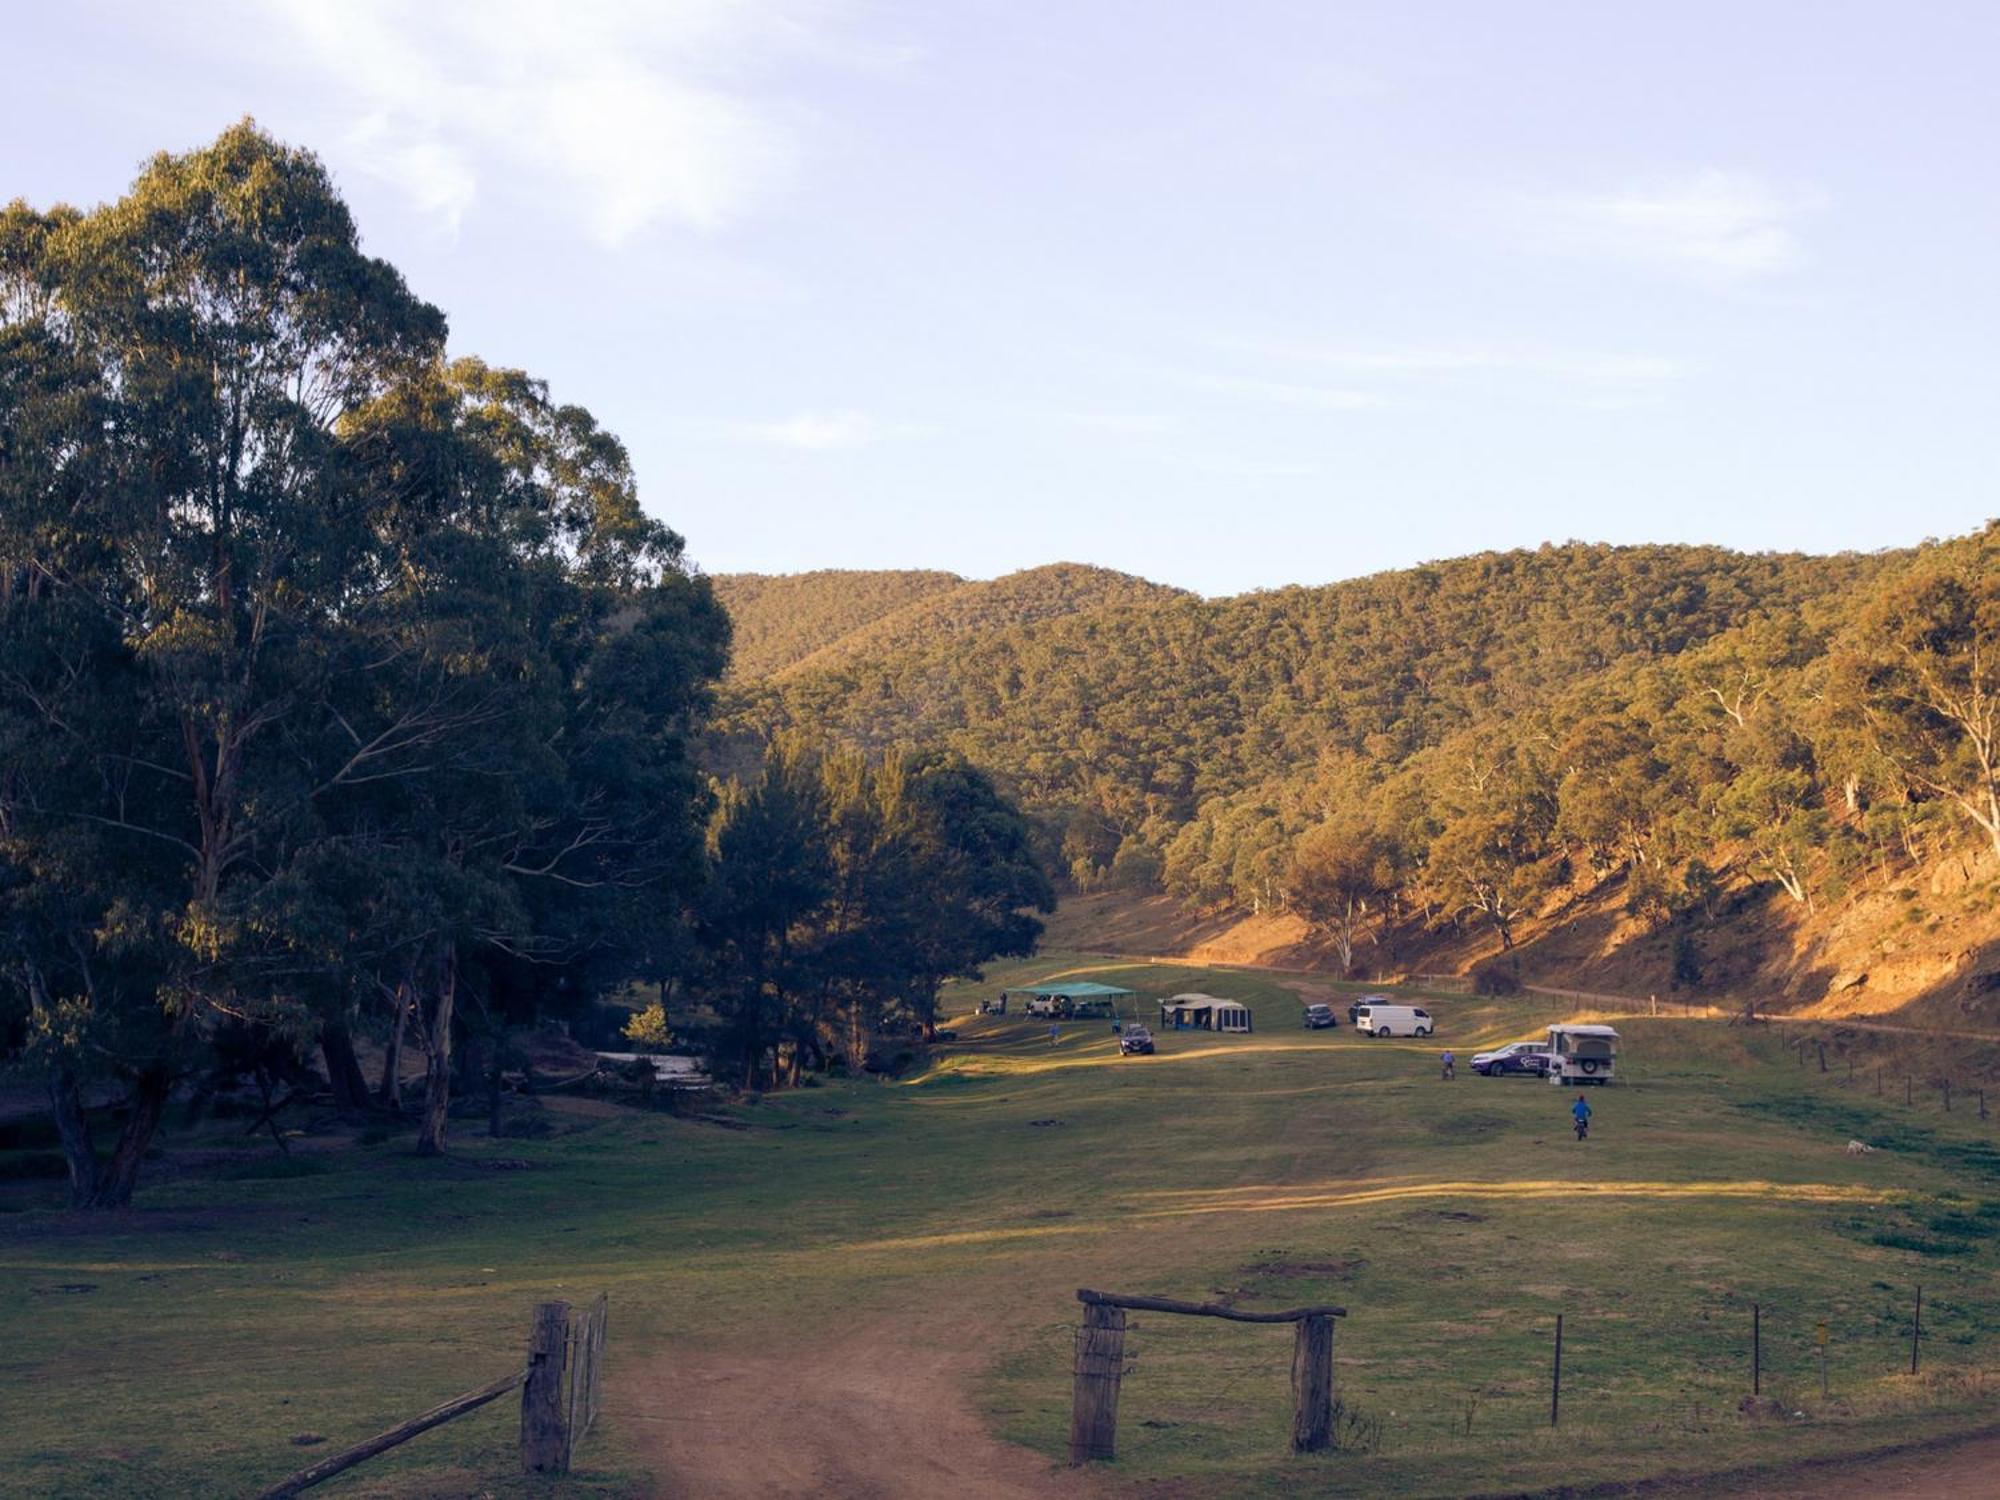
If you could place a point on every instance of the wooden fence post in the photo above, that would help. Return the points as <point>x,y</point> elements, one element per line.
<point>1100,1362</point>
<point>1556,1376</point>
<point>1312,1384</point>
<point>544,1430</point>
<point>1756,1350</point>
<point>585,1361</point>
<point>1916,1330</point>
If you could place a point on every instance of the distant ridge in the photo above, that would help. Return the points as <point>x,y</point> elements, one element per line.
<point>781,618</point>
<point>1503,742</point>
<point>1016,600</point>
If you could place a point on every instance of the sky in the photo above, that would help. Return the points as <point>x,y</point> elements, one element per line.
<point>1232,296</point>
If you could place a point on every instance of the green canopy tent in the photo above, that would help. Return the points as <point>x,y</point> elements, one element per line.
<point>1080,998</point>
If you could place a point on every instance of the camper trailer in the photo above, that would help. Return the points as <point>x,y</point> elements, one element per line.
<point>1581,1054</point>
<point>1203,1013</point>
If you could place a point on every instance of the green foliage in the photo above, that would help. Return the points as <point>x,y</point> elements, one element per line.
<point>846,891</point>
<point>781,619</point>
<point>1507,726</point>
<point>331,673</point>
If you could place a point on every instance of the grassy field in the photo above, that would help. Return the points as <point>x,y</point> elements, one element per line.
<point>250,1300</point>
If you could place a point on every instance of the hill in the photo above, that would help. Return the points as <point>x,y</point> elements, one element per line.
<point>1698,742</point>
<point>782,618</point>
<point>938,622</point>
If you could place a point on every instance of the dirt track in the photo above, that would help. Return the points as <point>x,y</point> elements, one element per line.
<point>873,1418</point>
<point>1958,1471</point>
<point>881,1415</point>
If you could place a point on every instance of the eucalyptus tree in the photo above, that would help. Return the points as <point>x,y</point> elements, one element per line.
<point>185,534</point>
<point>1919,674</point>
<point>329,670</point>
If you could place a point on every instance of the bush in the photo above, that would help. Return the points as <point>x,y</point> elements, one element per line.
<point>1136,867</point>
<point>1496,981</point>
<point>1687,960</point>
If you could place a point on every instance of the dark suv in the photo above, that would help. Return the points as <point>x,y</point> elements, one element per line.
<point>1135,1040</point>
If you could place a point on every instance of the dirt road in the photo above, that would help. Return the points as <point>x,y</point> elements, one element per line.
<point>880,1415</point>
<point>1957,1471</point>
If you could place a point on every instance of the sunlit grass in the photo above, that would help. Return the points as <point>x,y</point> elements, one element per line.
<point>1277,1169</point>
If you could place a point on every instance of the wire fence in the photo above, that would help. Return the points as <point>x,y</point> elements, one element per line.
<point>1728,1364</point>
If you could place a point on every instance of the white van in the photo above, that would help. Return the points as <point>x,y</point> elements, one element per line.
<point>1392,1020</point>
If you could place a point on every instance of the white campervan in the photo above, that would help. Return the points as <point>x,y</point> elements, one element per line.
<point>1392,1020</point>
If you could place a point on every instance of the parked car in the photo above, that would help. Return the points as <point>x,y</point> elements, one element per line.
<point>1135,1039</point>
<point>1393,1020</point>
<point>1354,1006</point>
<point>1319,1015</point>
<point>1515,1057</point>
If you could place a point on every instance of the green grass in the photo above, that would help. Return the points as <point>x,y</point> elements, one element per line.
<point>246,1302</point>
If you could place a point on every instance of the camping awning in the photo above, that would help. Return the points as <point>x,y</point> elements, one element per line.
<point>1081,989</point>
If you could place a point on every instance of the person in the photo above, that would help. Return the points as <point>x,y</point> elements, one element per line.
<point>1450,1063</point>
<point>1055,1034</point>
<point>1581,1109</point>
<point>1116,1028</point>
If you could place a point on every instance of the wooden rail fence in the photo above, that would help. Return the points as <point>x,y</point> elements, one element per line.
<point>1100,1365</point>
<point>560,1391</point>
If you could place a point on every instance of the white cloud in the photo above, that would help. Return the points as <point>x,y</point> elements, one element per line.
<point>1712,223</point>
<point>820,431</point>
<point>622,114</point>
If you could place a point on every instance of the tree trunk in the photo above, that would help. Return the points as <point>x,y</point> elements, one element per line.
<point>121,1173</point>
<point>437,1067</point>
<point>66,1103</point>
<point>391,1091</point>
<point>1343,944</point>
<point>343,1068</point>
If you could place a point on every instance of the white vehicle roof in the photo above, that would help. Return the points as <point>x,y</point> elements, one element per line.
<point>1583,1030</point>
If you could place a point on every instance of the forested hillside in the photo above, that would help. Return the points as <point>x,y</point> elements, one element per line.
<point>781,618</point>
<point>1466,746</point>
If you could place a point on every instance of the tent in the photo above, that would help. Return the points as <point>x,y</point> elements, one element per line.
<point>1204,1012</point>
